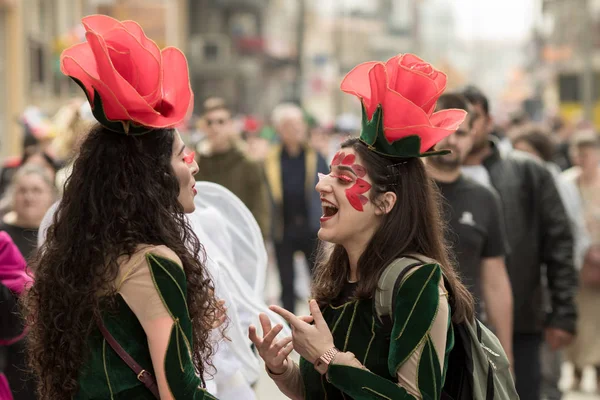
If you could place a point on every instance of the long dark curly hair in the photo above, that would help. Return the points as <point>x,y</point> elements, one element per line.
<point>122,193</point>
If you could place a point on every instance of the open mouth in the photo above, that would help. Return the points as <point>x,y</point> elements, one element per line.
<point>194,189</point>
<point>329,210</point>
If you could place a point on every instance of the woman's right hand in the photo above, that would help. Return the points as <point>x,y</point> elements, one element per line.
<point>273,351</point>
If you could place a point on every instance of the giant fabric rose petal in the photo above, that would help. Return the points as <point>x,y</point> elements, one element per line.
<point>398,100</point>
<point>416,80</point>
<point>131,84</point>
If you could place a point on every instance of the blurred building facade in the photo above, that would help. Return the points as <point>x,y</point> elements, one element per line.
<point>254,53</point>
<point>566,59</point>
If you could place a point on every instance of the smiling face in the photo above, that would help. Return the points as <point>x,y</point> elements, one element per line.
<point>349,216</point>
<point>185,167</point>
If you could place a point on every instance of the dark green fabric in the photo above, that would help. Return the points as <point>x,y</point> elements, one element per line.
<point>106,376</point>
<point>415,309</point>
<point>181,376</point>
<point>372,133</point>
<point>355,328</point>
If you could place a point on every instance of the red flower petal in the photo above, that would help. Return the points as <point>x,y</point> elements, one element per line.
<point>363,199</point>
<point>85,57</point>
<point>337,159</point>
<point>177,95</point>
<point>368,82</point>
<point>448,119</point>
<point>136,106</point>
<point>100,23</point>
<point>360,170</point>
<point>349,159</point>
<point>413,83</point>
<point>136,30</point>
<point>140,58</point>
<point>124,64</point>
<point>399,112</point>
<point>113,109</point>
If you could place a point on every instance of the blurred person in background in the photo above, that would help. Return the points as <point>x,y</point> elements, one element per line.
<point>534,140</point>
<point>585,351</point>
<point>14,280</point>
<point>222,161</point>
<point>72,121</point>
<point>291,169</point>
<point>476,233</point>
<point>488,123</point>
<point>562,131</point>
<point>540,235</point>
<point>30,195</point>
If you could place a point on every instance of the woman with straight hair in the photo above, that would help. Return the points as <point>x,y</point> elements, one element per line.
<point>378,206</point>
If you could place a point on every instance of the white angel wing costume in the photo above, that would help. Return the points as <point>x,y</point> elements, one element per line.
<point>237,260</point>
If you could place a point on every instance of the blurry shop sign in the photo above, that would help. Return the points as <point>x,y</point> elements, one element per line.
<point>150,14</point>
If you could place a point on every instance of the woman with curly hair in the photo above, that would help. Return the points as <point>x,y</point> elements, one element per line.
<point>121,272</point>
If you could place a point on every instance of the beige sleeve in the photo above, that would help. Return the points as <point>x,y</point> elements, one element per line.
<point>290,382</point>
<point>407,373</point>
<point>136,284</point>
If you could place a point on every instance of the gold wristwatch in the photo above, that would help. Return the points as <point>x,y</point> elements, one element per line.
<point>322,363</point>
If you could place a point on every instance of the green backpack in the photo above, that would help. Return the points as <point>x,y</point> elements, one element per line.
<point>478,368</point>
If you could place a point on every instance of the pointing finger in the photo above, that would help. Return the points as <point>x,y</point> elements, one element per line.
<point>288,316</point>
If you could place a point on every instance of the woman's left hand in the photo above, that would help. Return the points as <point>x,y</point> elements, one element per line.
<point>310,341</point>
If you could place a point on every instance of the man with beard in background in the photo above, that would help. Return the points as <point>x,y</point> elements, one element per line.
<point>476,232</point>
<point>540,235</point>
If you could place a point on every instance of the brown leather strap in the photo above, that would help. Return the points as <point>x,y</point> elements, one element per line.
<point>143,376</point>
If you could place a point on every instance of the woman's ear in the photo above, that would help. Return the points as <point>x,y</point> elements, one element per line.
<point>386,202</point>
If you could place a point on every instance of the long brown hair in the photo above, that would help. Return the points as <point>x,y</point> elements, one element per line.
<point>122,193</point>
<point>414,225</point>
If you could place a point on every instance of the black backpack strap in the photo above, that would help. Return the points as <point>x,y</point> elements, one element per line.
<point>390,280</point>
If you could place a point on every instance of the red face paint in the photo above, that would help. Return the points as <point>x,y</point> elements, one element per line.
<point>360,170</point>
<point>349,159</point>
<point>355,194</point>
<point>190,158</point>
<point>337,159</point>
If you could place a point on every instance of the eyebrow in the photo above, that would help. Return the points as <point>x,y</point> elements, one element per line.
<point>182,149</point>
<point>345,168</point>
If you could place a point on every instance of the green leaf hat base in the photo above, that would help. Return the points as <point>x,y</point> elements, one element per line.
<point>372,134</point>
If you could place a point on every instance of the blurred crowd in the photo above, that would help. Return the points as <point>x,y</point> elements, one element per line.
<point>272,166</point>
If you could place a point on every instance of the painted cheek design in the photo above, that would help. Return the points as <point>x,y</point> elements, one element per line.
<point>355,194</point>
<point>190,158</point>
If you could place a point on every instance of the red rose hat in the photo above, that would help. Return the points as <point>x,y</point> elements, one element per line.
<point>398,100</point>
<point>132,86</point>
